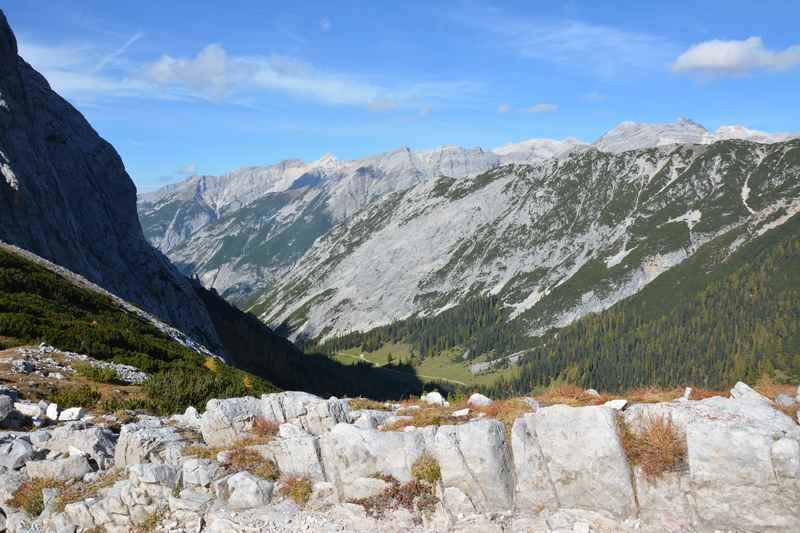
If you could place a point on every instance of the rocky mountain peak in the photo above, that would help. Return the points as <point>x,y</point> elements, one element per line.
<point>8,42</point>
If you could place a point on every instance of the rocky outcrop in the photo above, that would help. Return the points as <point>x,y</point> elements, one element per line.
<point>65,196</point>
<point>557,469</point>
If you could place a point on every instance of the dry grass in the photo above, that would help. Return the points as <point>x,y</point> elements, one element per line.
<point>652,395</point>
<point>414,495</point>
<point>201,450</point>
<point>297,488</point>
<point>767,386</point>
<point>427,469</point>
<point>366,403</point>
<point>506,411</point>
<point>29,497</point>
<point>702,394</point>
<point>429,415</point>
<point>81,490</point>
<point>791,411</point>
<point>265,429</point>
<point>657,445</point>
<point>151,522</point>
<point>246,459</point>
<point>566,393</point>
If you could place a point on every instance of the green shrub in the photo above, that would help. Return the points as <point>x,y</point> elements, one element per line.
<point>96,373</point>
<point>83,396</point>
<point>427,469</point>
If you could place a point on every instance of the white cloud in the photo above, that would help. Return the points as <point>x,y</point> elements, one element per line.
<point>732,57</point>
<point>325,24</point>
<point>503,108</point>
<point>84,74</point>
<point>542,108</point>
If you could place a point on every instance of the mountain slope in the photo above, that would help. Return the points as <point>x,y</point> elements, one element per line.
<point>552,241</point>
<point>704,323</point>
<point>65,195</point>
<point>241,231</point>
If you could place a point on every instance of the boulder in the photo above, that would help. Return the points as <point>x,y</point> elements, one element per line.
<point>733,481</point>
<point>786,459</point>
<point>189,419</point>
<point>148,441</point>
<point>6,406</point>
<point>52,411</point>
<point>97,443</point>
<point>476,459</point>
<point>617,405</point>
<point>591,392</point>
<point>571,457</point>
<point>349,453</point>
<point>433,398</point>
<point>296,456</point>
<point>200,472</point>
<point>14,453</point>
<point>73,413</point>
<point>155,474</point>
<point>226,421</point>
<point>479,400</point>
<point>243,490</point>
<point>69,468</point>
<point>29,409</point>
<point>461,412</point>
<point>742,391</point>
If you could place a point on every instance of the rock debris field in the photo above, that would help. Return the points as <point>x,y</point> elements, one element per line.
<point>292,461</point>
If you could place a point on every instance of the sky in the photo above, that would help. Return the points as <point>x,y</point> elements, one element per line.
<point>186,87</point>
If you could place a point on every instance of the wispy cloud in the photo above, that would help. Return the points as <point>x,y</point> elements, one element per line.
<point>542,108</point>
<point>599,49</point>
<point>188,169</point>
<point>503,108</point>
<point>735,57</point>
<point>325,24</point>
<point>84,73</point>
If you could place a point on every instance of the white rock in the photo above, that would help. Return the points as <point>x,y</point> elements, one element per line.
<point>30,409</point>
<point>786,458</point>
<point>288,430</point>
<point>74,467</point>
<point>147,441</point>
<point>155,474</point>
<point>15,453</point>
<point>243,490</point>
<point>461,412</point>
<point>200,471</point>
<point>52,411</point>
<point>433,398</point>
<point>73,413</point>
<point>567,456</point>
<point>734,486</point>
<point>687,394</point>
<point>479,400</point>
<point>366,487</point>
<point>299,456</point>
<point>591,392</point>
<point>742,391</point>
<point>617,405</point>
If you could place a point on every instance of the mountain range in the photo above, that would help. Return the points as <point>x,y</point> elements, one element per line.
<point>553,229</point>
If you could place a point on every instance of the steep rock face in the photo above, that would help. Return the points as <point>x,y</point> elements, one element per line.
<point>65,195</point>
<point>240,231</point>
<point>553,241</point>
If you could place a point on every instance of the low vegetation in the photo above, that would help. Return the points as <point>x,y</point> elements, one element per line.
<point>366,403</point>
<point>29,495</point>
<point>426,469</point>
<point>655,444</point>
<point>239,457</point>
<point>298,488</point>
<point>95,373</point>
<point>416,495</point>
<point>79,396</point>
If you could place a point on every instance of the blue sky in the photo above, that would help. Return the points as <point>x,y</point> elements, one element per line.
<point>185,87</point>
